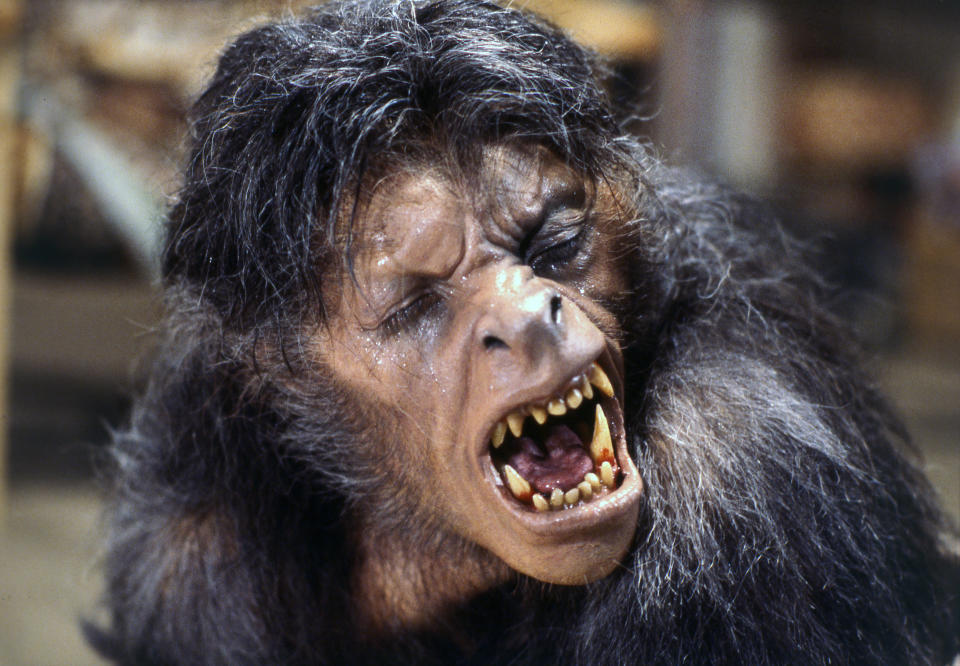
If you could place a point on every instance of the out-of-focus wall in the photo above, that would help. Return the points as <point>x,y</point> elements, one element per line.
<point>9,24</point>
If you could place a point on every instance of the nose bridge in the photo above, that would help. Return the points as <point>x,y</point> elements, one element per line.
<point>503,274</point>
<point>515,287</point>
<point>522,331</point>
<point>519,310</point>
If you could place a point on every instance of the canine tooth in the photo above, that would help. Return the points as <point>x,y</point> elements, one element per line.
<point>571,497</point>
<point>601,446</point>
<point>599,379</point>
<point>556,407</point>
<point>586,492</point>
<point>499,433</point>
<point>515,421</point>
<point>519,486</point>
<point>574,398</point>
<point>539,414</point>
<point>593,480</point>
<point>556,498</point>
<point>585,388</point>
<point>540,503</point>
<point>606,474</point>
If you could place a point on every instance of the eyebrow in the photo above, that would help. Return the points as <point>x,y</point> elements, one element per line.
<point>570,193</point>
<point>390,272</point>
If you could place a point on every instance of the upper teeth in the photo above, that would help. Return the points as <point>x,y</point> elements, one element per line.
<point>581,388</point>
<point>599,379</point>
<point>600,447</point>
<point>515,422</point>
<point>586,388</point>
<point>539,414</point>
<point>499,434</point>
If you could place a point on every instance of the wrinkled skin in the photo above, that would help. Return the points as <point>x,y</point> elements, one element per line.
<point>461,310</point>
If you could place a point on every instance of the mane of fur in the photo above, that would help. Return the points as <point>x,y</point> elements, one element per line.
<point>782,522</point>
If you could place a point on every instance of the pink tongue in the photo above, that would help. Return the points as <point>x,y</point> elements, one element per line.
<point>562,465</point>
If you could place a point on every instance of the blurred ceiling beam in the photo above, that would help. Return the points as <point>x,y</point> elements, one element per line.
<point>125,199</point>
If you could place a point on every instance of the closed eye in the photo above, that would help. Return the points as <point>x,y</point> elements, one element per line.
<point>408,316</point>
<point>556,257</point>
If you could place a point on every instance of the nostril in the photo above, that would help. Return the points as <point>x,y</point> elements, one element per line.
<point>555,304</point>
<point>491,342</point>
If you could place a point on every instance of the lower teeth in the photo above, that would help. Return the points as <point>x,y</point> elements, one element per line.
<point>540,503</point>
<point>558,499</point>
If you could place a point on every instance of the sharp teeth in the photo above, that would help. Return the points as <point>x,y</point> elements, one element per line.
<point>601,446</point>
<point>499,433</point>
<point>556,407</point>
<point>519,486</point>
<point>574,398</point>
<point>515,421</point>
<point>556,498</point>
<point>539,414</point>
<point>606,474</point>
<point>586,492</point>
<point>593,480</point>
<point>585,387</point>
<point>540,503</point>
<point>599,379</point>
<point>571,497</point>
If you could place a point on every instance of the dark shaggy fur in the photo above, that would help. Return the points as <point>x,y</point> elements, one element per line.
<point>780,523</point>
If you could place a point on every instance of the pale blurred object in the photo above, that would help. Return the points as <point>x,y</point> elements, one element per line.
<point>853,119</point>
<point>47,576</point>
<point>625,30</point>
<point>175,43</point>
<point>932,275</point>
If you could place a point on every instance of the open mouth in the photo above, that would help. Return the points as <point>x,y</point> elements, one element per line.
<point>559,453</point>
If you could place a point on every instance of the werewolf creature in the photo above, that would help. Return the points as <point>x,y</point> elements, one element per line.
<point>456,371</point>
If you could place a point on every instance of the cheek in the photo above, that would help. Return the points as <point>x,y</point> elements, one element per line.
<point>421,425</point>
<point>408,389</point>
<point>601,293</point>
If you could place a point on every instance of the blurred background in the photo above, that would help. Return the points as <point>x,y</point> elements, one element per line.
<point>844,114</point>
